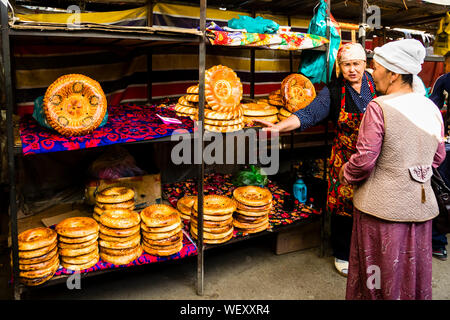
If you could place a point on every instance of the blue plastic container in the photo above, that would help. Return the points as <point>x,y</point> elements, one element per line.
<point>300,190</point>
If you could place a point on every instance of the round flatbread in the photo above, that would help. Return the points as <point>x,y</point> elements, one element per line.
<point>297,92</point>
<point>115,195</point>
<point>160,235</point>
<point>192,97</point>
<point>166,241</point>
<point>192,89</point>
<point>120,245</point>
<point>252,225</point>
<point>216,205</point>
<point>39,259</point>
<point>212,236</point>
<point>258,110</point>
<point>237,112</point>
<point>162,252</point>
<point>284,112</point>
<point>76,227</point>
<point>120,218</point>
<point>85,258</point>
<point>165,229</point>
<point>62,239</point>
<point>74,105</point>
<point>233,128</point>
<point>185,110</point>
<point>184,204</point>
<point>215,230</point>
<point>160,215</point>
<point>29,254</point>
<point>271,119</point>
<point>252,195</point>
<point>120,252</point>
<point>63,245</point>
<point>31,282</point>
<point>41,272</point>
<point>111,206</point>
<point>119,232</point>
<point>38,266</point>
<point>78,252</point>
<point>82,266</point>
<point>36,238</point>
<point>183,101</point>
<point>243,207</point>
<point>122,259</point>
<point>254,230</point>
<point>223,88</point>
<point>213,241</point>
<point>212,223</point>
<point>106,237</point>
<point>224,123</point>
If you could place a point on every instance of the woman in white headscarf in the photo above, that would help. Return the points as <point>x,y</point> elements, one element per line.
<point>344,100</point>
<point>400,139</point>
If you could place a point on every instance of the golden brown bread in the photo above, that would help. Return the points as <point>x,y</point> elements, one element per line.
<point>36,238</point>
<point>121,259</point>
<point>114,195</point>
<point>216,205</point>
<point>120,218</point>
<point>119,232</point>
<point>74,105</point>
<point>77,227</point>
<point>28,254</point>
<point>160,215</point>
<point>252,195</point>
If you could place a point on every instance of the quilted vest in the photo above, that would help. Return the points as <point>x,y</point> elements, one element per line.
<point>398,189</point>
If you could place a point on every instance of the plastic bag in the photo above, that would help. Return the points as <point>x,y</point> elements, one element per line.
<point>252,176</point>
<point>115,163</point>
<point>39,115</point>
<point>314,64</point>
<point>254,25</point>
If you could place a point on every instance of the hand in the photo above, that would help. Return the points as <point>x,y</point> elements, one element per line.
<point>269,126</point>
<point>342,179</point>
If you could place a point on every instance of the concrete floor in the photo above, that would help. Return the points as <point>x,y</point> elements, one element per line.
<point>246,270</point>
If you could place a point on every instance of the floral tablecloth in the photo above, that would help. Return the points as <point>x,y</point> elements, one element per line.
<point>126,123</point>
<point>221,184</point>
<point>282,41</point>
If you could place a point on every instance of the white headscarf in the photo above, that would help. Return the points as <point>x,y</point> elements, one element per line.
<point>403,57</point>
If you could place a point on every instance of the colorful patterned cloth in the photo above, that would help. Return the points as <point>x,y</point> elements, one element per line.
<point>221,184</point>
<point>282,41</point>
<point>189,249</point>
<point>126,123</point>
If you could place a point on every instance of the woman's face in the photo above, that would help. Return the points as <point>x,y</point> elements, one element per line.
<point>381,77</point>
<point>353,70</point>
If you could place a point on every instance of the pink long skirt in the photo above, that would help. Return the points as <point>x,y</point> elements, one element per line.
<point>389,260</point>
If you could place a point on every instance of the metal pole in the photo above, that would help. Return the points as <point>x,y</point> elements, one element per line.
<point>363,17</point>
<point>201,169</point>
<point>325,229</point>
<point>252,67</point>
<point>291,65</point>
<point>150,76</point>
<point>150,13</point>
<point>6,54</point>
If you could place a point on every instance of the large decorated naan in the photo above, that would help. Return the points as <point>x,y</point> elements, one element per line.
<point>297,92</point>
<point>74,105</point>
<point>223,89</point>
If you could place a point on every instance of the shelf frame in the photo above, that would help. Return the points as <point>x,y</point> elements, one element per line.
<point>8,34</point>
